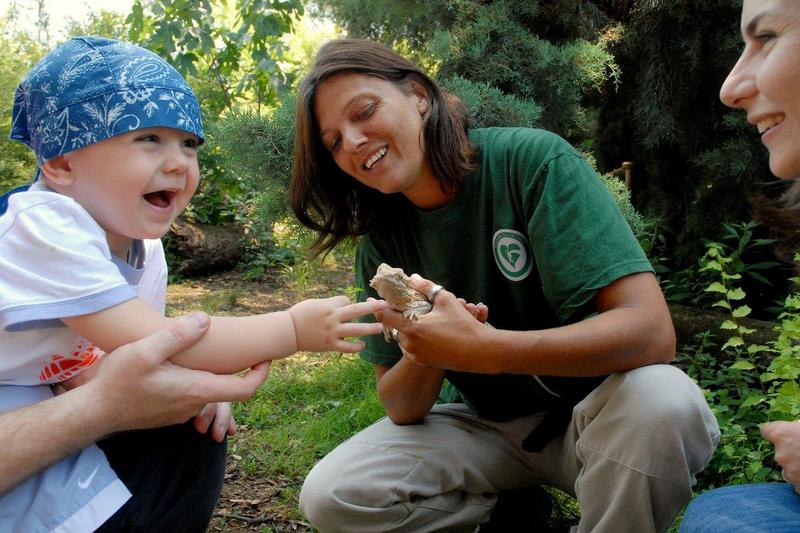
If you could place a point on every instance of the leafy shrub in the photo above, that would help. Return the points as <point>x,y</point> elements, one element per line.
<point>746,384</point>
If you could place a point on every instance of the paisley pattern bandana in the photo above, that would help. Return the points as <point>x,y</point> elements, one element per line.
<point>92,88</point>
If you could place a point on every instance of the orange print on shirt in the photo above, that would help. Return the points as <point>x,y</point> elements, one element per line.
<point>63,367</point>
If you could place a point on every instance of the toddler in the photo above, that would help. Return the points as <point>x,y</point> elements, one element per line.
<point>115,130</point>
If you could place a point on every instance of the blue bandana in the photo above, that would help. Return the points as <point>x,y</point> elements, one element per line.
<point>92,88</point>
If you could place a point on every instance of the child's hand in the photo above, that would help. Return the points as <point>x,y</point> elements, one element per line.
<point>322,325</point>
<point>218,417</point>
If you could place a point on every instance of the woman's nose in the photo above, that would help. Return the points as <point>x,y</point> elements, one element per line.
<point>353,139</point>
<point>739,86</point>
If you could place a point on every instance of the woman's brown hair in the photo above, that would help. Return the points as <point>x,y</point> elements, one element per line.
<point>782,216</point>
<point>329,201</point>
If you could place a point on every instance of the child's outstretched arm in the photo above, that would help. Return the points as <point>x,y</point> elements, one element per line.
<point>237,343</point>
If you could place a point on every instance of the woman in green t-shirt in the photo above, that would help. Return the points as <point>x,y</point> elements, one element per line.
<point>570,388</point>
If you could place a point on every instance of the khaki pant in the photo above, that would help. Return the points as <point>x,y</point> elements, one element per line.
<point>629,456</point>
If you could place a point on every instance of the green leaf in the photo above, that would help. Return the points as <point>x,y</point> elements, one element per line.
<point>741,311</point>
<point>756,348</point>
<point>728,324</point>
<point>752,400</point>
<point>736,294</point>
<point>732,343</point>
<point>764,265</point>
<point>716,287</point>
<point>742,365</point>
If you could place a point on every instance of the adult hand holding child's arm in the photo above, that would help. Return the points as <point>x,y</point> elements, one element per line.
<point>136,387</point>
<point>236,343</point>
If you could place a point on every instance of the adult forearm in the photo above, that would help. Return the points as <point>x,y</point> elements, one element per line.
<point>632,328</point>
<point>408,391</point>
<point>36,436</point>
<point>613,341</point>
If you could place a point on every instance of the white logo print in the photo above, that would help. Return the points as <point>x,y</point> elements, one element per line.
<point>85,484</point>
<point>511,253</point>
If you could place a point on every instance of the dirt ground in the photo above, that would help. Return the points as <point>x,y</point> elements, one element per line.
<point>244,503</point>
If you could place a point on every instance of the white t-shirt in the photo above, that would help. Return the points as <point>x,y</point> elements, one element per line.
<point>54,263</point>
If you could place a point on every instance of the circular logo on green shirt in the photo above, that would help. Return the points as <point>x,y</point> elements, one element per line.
<point>511,253</point>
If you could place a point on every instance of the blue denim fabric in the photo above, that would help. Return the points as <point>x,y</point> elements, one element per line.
<point>757,508</point>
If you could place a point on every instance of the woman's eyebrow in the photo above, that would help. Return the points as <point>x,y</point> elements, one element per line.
<point>750,30</point>
<point>346,106</point>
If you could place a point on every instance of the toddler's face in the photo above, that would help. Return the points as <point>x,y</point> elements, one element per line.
<point>134,184</point>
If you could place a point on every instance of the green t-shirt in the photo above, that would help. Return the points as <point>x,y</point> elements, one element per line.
<point>533,233</point>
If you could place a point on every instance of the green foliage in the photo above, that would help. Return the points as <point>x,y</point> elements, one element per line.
<point>641,227</point>
<point>746,384</point>
<point>551,54</point>
<point>17,163</point>
<point>740,254</point>
<point>103,23</point>
<point>301,413</point>
<point>255,149</point>
<point>492,43</point>
<point>233,51</point>
<point>414,22</point>
<point>695,159</point>
<point>490,107</point>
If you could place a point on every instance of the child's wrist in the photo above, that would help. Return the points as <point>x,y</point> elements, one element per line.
<point>293,320</point>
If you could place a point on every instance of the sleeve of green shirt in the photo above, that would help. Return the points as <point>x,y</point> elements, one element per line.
<point>580,239</point>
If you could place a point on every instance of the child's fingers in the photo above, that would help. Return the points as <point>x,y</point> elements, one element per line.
<point>349,312</point>
<point>359,329</point>
<point>344,346</point>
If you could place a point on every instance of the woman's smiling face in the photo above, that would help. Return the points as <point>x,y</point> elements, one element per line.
<point>765,81</point>
<point>373,129</point>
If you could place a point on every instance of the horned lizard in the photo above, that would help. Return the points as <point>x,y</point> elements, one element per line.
<point>392,285</point>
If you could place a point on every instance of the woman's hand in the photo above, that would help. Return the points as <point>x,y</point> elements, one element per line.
<point>786,438</point>
<point>323,325</point>
<point>452,336</point>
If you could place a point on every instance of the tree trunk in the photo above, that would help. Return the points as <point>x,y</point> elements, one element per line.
<point>203,248</point>
<point>690,321</point>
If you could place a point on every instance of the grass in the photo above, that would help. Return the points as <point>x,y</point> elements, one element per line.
<point>310,404</point>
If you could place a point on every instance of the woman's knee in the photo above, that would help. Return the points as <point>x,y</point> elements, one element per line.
<point>330,490</point>
<point>657,406</point>
<point>316,498</point>
<point>662,397</point>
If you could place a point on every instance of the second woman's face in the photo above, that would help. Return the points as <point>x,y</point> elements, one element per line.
<point>373,129</point>
<point>765,81</point>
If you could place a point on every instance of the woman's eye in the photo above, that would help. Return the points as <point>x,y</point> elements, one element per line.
<point>191,143</point>
<point>765,36</point>
<point>148,138</point>
<point>366,111</point>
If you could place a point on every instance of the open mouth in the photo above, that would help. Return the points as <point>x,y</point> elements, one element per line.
<point>374,158</point>
<point>160,199</point>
